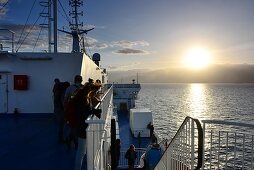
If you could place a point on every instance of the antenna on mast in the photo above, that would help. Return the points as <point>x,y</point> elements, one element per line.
<point>76,32</point>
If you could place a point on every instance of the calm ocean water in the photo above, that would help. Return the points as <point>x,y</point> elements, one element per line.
<point>171,103</point>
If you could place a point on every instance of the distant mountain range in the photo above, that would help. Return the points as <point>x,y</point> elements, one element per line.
<point>242,73</point>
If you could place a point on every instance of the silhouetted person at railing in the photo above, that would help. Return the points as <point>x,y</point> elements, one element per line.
<point>95,95</point>
<point>84,110</point>
<point>89,82</point>
<point>154,138</point>
<point>60,114</point>
<point>151,128</point>
<point>131,155</point>
<point>98,81</point>
<point>56,93</point>
<point>152,156</point>
<point>69,109</point>
<point>57,96</point>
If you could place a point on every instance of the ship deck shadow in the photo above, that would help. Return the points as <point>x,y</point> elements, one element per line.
<point>30,142</point>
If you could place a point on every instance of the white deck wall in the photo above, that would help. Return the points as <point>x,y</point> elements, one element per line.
<point>41,74</point>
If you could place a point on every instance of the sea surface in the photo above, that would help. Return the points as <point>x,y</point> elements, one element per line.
<point>171,103</point>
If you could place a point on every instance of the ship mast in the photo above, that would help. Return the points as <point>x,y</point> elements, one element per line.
<point>55,25</point>
<point>52,23</point>
<point>76,31</point>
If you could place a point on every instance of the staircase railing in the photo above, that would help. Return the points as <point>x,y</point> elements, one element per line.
<point>184,152</point>
<point>228,145</point>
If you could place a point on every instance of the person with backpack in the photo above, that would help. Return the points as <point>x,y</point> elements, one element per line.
<point>69,109</point>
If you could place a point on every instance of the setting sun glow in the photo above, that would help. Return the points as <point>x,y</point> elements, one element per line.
<point>197,58</point>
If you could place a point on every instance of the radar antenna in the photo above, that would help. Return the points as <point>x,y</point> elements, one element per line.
<point>75,25</point>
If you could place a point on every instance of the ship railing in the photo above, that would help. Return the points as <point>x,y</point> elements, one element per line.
<point>127,86</point>
<point>228,145</point>
<point>184,152</point>
<point>98,133</point>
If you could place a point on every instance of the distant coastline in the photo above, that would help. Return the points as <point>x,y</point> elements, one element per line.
<point>240,73</point>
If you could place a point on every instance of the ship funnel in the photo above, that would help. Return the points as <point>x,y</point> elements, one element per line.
<point>96,58</point>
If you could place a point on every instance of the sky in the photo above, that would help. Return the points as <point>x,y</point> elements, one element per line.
<point>147,34</point>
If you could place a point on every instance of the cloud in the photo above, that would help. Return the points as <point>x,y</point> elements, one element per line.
<point>93,43</point>
<point>129,47</point>
<point>17,28</point>
<point>124,67</point>
<point>65,41</point>
<point>129,44</point>
<point>27,39</point>
<point>112,67</point>
<point>130,51</point>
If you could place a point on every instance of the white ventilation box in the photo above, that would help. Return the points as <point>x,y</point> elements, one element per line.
<point>139,119</point>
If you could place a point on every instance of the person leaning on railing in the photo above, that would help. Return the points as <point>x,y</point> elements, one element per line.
<point>94,94</point>
<point>85,109</point>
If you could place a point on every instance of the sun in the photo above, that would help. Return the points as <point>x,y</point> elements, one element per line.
<point>197,58</point>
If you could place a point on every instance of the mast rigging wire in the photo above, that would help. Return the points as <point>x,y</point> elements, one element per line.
<point>39,35</point>
<point>2,7</point>
<point>25,25</point>
<point>66,16</point>
<point>30,30</point>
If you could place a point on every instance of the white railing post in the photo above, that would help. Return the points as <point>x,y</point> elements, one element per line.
<point>89,152</point>
<point>235,150</point>
<point>252,152</point>
<point>211,147</point>
<point>243,150</point>
<point>219,151</point>
<point>227,150</point>
<point>203,147</point>
<point>192,144</point>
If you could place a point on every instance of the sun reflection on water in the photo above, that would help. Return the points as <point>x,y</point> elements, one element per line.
<point>197,98</point>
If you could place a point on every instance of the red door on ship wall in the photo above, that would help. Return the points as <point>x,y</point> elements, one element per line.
<point>3,93</point>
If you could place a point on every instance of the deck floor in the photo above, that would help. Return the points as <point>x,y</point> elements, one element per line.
<point>30,142</point>
<point>126,135</point>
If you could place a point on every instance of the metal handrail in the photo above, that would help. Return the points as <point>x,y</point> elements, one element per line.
<point>223,122</point>
<point>90,118</point>
<point>228,138</point>
<point>103,97</point>
<point>200,140</point>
